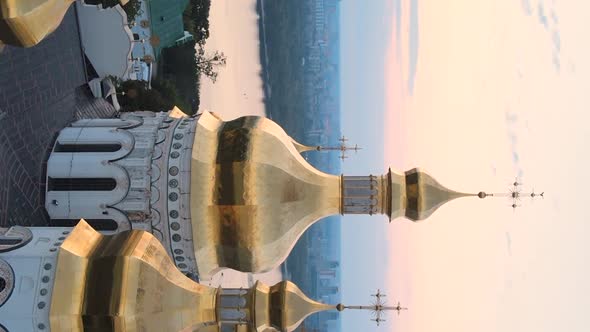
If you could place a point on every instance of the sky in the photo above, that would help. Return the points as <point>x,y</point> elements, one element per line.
<point>476,93</point>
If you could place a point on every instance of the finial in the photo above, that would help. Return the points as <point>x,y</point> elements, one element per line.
<point>342,147</point>
<point>514,193</point>
<point>377,308</point>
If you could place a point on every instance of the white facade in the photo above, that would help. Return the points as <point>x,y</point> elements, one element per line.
<point>127,173</point>
<point>142,47</point>
<point>27,271</point>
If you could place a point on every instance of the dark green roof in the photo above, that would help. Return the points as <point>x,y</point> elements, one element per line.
<point>166,21</point>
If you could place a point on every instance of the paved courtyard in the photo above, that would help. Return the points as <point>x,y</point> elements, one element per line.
<point>42,90</point>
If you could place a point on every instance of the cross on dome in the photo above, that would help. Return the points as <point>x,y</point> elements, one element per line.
<point>515,194</point>
<point>377,308</point>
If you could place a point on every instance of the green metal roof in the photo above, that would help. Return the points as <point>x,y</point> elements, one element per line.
<point>166,21</point>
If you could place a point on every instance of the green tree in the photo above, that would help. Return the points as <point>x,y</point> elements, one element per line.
<point>209,64</point>
<point>133,9</point>
<point>196,19</point>
<point>136,95</point>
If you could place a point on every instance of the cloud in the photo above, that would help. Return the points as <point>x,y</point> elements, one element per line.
<point>556,37</point>
<point>512,122</point>
<point>556,62</point>
<point>397,18</point>
<point>413,45</point>
<point>554,17</point>
<point>526,7</point>
<point>542,17</point>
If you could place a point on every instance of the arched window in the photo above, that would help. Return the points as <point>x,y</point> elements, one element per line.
<point>97,224</point>
<point>87,147</point>
<point>81,184</point>
<point>9,242</point>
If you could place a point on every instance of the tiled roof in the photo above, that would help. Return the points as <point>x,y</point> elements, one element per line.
<point>166,21</point>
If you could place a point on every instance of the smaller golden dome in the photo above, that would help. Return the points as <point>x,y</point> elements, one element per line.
<point>26,23</point>
<point>125,280</point>
<point>284,306</point>
<point>424,195</point>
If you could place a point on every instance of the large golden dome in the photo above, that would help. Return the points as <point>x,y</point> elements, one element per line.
<point>252,194</point>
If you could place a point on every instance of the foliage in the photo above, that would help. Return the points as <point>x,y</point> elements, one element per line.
<point>135,95</point>
<point>196,19</point>
<point>133,9</point>
<point>178,66</point>
<point>208,64</point>
<point>182,65</point>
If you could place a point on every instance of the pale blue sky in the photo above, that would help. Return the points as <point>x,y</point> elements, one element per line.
<point>499,89</point>
<point>365,30</point>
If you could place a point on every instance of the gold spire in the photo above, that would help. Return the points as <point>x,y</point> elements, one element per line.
<point>253,194</point>
<point>304,148</point>
<point>417,195</point>
<point>283,306</point>
<point>124,282</point>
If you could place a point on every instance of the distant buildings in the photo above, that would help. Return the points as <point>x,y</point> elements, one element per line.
<point>321,68</point>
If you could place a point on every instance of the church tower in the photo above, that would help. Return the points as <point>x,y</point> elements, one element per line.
<point>64,279</point>
<point>218,194</point>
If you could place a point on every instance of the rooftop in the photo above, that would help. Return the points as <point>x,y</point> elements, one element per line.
<point>166,21</point>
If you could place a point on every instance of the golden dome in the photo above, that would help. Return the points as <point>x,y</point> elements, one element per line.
<point>416,195</point>
<point>252,194</point>
<point>283,306</point>
<point>26,23</point>
<point>124,282</point>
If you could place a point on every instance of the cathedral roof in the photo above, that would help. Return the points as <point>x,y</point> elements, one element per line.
<point>284,306</point>
<point>25,24</point>
<point>126,281</point>
<point>416,195</point>
<point>252,194</point>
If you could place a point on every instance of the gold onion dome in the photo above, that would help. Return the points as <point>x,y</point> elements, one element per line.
<point>125,282</point>
<point>253,194</point>
<point>27,22</point>
<point>421,196</point>
<point>284,307</point>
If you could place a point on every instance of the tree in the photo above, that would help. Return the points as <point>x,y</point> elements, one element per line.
<point>136,95</point>
<point>208,64</point>
<point>133,9</point>
<point>196,19</point>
